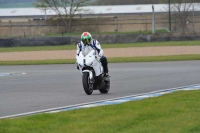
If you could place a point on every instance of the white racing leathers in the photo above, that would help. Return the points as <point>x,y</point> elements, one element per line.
<point>94,45</point>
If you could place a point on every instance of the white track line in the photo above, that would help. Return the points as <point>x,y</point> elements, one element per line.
<point>108,101</point>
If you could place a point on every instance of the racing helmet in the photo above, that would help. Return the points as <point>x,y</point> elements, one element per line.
<point>86,38</point>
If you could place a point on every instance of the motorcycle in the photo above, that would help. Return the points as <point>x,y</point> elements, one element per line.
<point>91,70</point>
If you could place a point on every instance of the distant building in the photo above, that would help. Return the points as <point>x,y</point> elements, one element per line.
<point>35,13</point>
<point>115,18</point>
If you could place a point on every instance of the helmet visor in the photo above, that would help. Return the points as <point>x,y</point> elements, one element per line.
<point>85,41</point>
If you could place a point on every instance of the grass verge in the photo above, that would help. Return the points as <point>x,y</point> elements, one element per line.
<point>104,46</point>
<point>110,60</point>
<point>172,113</point>
<point>38,62</point>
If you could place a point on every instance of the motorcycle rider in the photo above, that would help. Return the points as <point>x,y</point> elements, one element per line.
<point>87,44</point>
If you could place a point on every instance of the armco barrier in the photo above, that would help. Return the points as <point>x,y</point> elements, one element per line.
<point>103,39</point>
<point>110,39</point>
<point>6,42</point>
<point>174,37</point>
<point>42,41</point>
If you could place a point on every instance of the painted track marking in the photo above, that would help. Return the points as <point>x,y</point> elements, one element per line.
<point>10,74</point>
<point>109,101</point>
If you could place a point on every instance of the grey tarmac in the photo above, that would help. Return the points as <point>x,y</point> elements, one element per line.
<point>51,86</point>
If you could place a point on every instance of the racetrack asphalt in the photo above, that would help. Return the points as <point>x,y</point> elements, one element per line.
<point>50,86</point>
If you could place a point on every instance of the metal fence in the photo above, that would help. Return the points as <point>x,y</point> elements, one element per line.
<point>103,39</point>
<point>42,41</point>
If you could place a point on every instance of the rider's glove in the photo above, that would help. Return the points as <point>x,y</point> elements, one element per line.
<point>77,67</point>
<point>98,57</point>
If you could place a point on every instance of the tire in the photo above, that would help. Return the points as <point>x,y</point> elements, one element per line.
<point>86,86</point>
<point>106,88</point>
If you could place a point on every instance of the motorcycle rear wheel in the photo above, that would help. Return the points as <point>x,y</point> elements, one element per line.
<point>88,87</point>
<point>106,88</point>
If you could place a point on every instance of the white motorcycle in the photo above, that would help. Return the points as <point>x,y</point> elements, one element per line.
<point>92,73</point>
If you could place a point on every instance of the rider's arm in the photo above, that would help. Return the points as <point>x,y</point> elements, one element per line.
<point>99,49</point>
<point>78,49</point>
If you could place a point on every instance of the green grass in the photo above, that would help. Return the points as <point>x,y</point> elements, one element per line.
<point>38,62</point>
<point>152,44</point>
<point>37,48</point>
<point>171,113</point>
<point>110,60</point>
<point>154,58</point>
<point>104,46</point>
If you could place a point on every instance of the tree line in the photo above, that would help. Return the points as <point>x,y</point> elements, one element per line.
<point>111,2</point>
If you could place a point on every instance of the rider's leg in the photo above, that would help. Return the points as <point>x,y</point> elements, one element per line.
<point>104,64</point>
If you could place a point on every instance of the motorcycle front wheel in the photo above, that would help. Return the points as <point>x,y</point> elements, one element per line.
<point>88,87</point>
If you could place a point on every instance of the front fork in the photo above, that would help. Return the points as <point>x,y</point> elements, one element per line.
<point>94,81</point>
<point>91,76</point>
<point>90,79</point>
